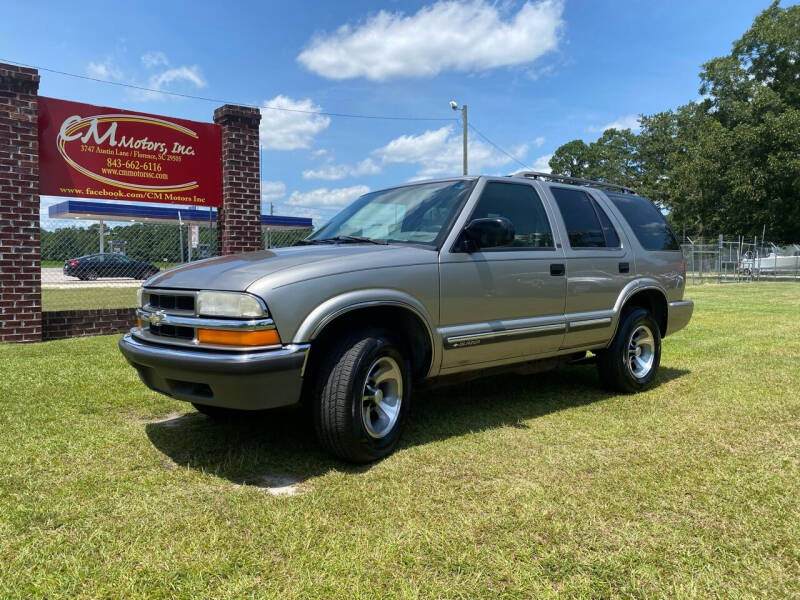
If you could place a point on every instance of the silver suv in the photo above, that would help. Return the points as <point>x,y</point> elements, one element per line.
<point>430,281</point>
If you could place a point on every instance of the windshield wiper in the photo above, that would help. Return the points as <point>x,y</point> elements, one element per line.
<point>348,239</point>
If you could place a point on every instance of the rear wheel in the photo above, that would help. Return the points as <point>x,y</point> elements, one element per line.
<point>363,396</point>
<point>631,362</point>
<point>90,275</point>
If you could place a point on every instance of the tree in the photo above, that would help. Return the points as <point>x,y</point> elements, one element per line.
<point>729,164</point>
<point>571,159</point>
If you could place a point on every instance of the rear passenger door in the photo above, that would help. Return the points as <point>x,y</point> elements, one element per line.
<point>599,264</point>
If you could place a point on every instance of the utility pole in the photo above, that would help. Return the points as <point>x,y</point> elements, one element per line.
<point>464,133</point>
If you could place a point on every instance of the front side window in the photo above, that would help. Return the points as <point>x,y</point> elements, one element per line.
<point>419,213</point>
<point>587,224</point>
<point>648,224</point>
<point>521,205</point>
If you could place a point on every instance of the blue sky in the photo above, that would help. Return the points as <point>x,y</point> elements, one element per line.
<point>534,75</point>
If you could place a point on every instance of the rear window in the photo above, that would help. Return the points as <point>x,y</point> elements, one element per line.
<point>646,221</point>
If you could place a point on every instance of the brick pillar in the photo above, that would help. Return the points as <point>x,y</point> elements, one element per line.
<point>20,250</point>
<point>239,218</point>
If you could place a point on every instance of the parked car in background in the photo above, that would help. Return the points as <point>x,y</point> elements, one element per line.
<point>94,266</point>
<point>418,284</point>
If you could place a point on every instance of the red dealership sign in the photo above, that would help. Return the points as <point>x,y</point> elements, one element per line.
<point>91,151</point>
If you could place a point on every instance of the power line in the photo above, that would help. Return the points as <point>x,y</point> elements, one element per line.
<point>508,154</point>
<point>218,101</point>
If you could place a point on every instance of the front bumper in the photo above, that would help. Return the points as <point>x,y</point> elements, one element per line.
<point>679,314</point>
<point>239,380</point>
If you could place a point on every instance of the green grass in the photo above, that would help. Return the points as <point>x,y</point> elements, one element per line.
<point>509,487</point>
<point>75,298</point>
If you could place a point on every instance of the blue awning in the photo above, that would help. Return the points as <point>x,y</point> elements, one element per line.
<point>83,209</point>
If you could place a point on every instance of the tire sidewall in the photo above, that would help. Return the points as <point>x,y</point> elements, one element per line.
<point>630,322</point>
<point>378,346</point>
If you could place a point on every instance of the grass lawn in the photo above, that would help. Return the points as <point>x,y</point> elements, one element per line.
<point>511,487</point>
<point>75,298</point>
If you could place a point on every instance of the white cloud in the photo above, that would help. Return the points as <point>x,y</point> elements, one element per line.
<point>438,153</point>
<point>447,35</point>
<point>542,164</point>
<point>288,130</point>
<point>183,73</point>
<point>154,58</point>
<point>538,141</point>
<point>272,190</point>
<point>625,122</point>
<point>325,199</point>
<point>336,172</point>
<point>105,69</point>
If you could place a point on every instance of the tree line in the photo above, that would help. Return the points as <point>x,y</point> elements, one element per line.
<point>151,242</point>
<point>728,163</point>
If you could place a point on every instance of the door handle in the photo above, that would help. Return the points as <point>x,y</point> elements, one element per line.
<point>557,269</point>
<point>624,267</point>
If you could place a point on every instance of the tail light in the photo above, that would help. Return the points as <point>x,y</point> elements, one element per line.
<point>73,263</point>
<point>683,268</point>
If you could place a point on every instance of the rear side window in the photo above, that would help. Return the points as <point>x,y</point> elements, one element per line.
<point>587,224</point>
<point>646,221</point>
<point>521,205</point>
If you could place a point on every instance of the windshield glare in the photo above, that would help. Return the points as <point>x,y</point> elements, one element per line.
<point>413,213</point>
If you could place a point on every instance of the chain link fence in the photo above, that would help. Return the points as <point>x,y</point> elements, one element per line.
<point>94,264</point>
<point>731,261</point>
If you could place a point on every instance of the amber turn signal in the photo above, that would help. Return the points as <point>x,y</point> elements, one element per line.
<point>139,322</point>
<point>263,337</point>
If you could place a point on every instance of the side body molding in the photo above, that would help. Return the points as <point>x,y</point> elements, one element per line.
<point>334,307</point>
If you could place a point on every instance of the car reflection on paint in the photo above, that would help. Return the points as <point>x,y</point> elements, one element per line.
<point>94,266</point>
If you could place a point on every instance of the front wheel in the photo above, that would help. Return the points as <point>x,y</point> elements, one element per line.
<point>363,396</point>
<point>631,362</point>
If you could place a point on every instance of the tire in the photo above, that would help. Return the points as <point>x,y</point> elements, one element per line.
<point>630,363</point>
<point>218,413</point>
<point>89,276</point>
<point>362,397</point>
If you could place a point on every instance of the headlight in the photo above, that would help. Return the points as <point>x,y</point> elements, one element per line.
<point>139,297</point>
<point>228,304</point>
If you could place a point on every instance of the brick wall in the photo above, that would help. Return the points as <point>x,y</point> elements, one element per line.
<point>57,325</point>
<point>239,221</point>
<point>20,272</point>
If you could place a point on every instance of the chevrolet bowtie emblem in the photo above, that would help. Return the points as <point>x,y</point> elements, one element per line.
<point>157,317</point>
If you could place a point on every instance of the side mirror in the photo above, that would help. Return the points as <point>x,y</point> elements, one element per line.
<point>488,233</point>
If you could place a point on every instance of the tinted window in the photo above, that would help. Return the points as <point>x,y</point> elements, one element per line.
<point>646,221</point>
<point>612,239</point>
<point>521,205</point>
<point>583,225</point>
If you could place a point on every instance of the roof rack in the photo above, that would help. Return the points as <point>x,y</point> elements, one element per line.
<point>573,181</point>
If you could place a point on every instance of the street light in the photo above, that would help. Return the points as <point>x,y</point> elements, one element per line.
<point>454,106</point>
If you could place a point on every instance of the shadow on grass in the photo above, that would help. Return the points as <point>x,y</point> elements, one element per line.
<point>280,443</point>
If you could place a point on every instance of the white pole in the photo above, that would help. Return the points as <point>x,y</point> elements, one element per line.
<point>464,134</point>
<point>102,237</point>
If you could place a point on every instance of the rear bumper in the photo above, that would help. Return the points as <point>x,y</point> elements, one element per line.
<point>245,381</point>
<point>679,315</point>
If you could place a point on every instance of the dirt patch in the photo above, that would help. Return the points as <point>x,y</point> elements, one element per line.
<point>276,484</point>
<point>173,419</point>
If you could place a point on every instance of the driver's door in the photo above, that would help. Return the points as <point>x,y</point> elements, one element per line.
<point>505,302</point>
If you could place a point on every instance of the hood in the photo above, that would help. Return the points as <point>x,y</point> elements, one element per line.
<point>237,272</point>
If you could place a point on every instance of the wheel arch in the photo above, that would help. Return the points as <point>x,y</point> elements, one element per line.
<point>646,294</point>
<point>407,319</point>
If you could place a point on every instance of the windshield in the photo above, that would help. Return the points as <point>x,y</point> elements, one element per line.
<point>417,213</point>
